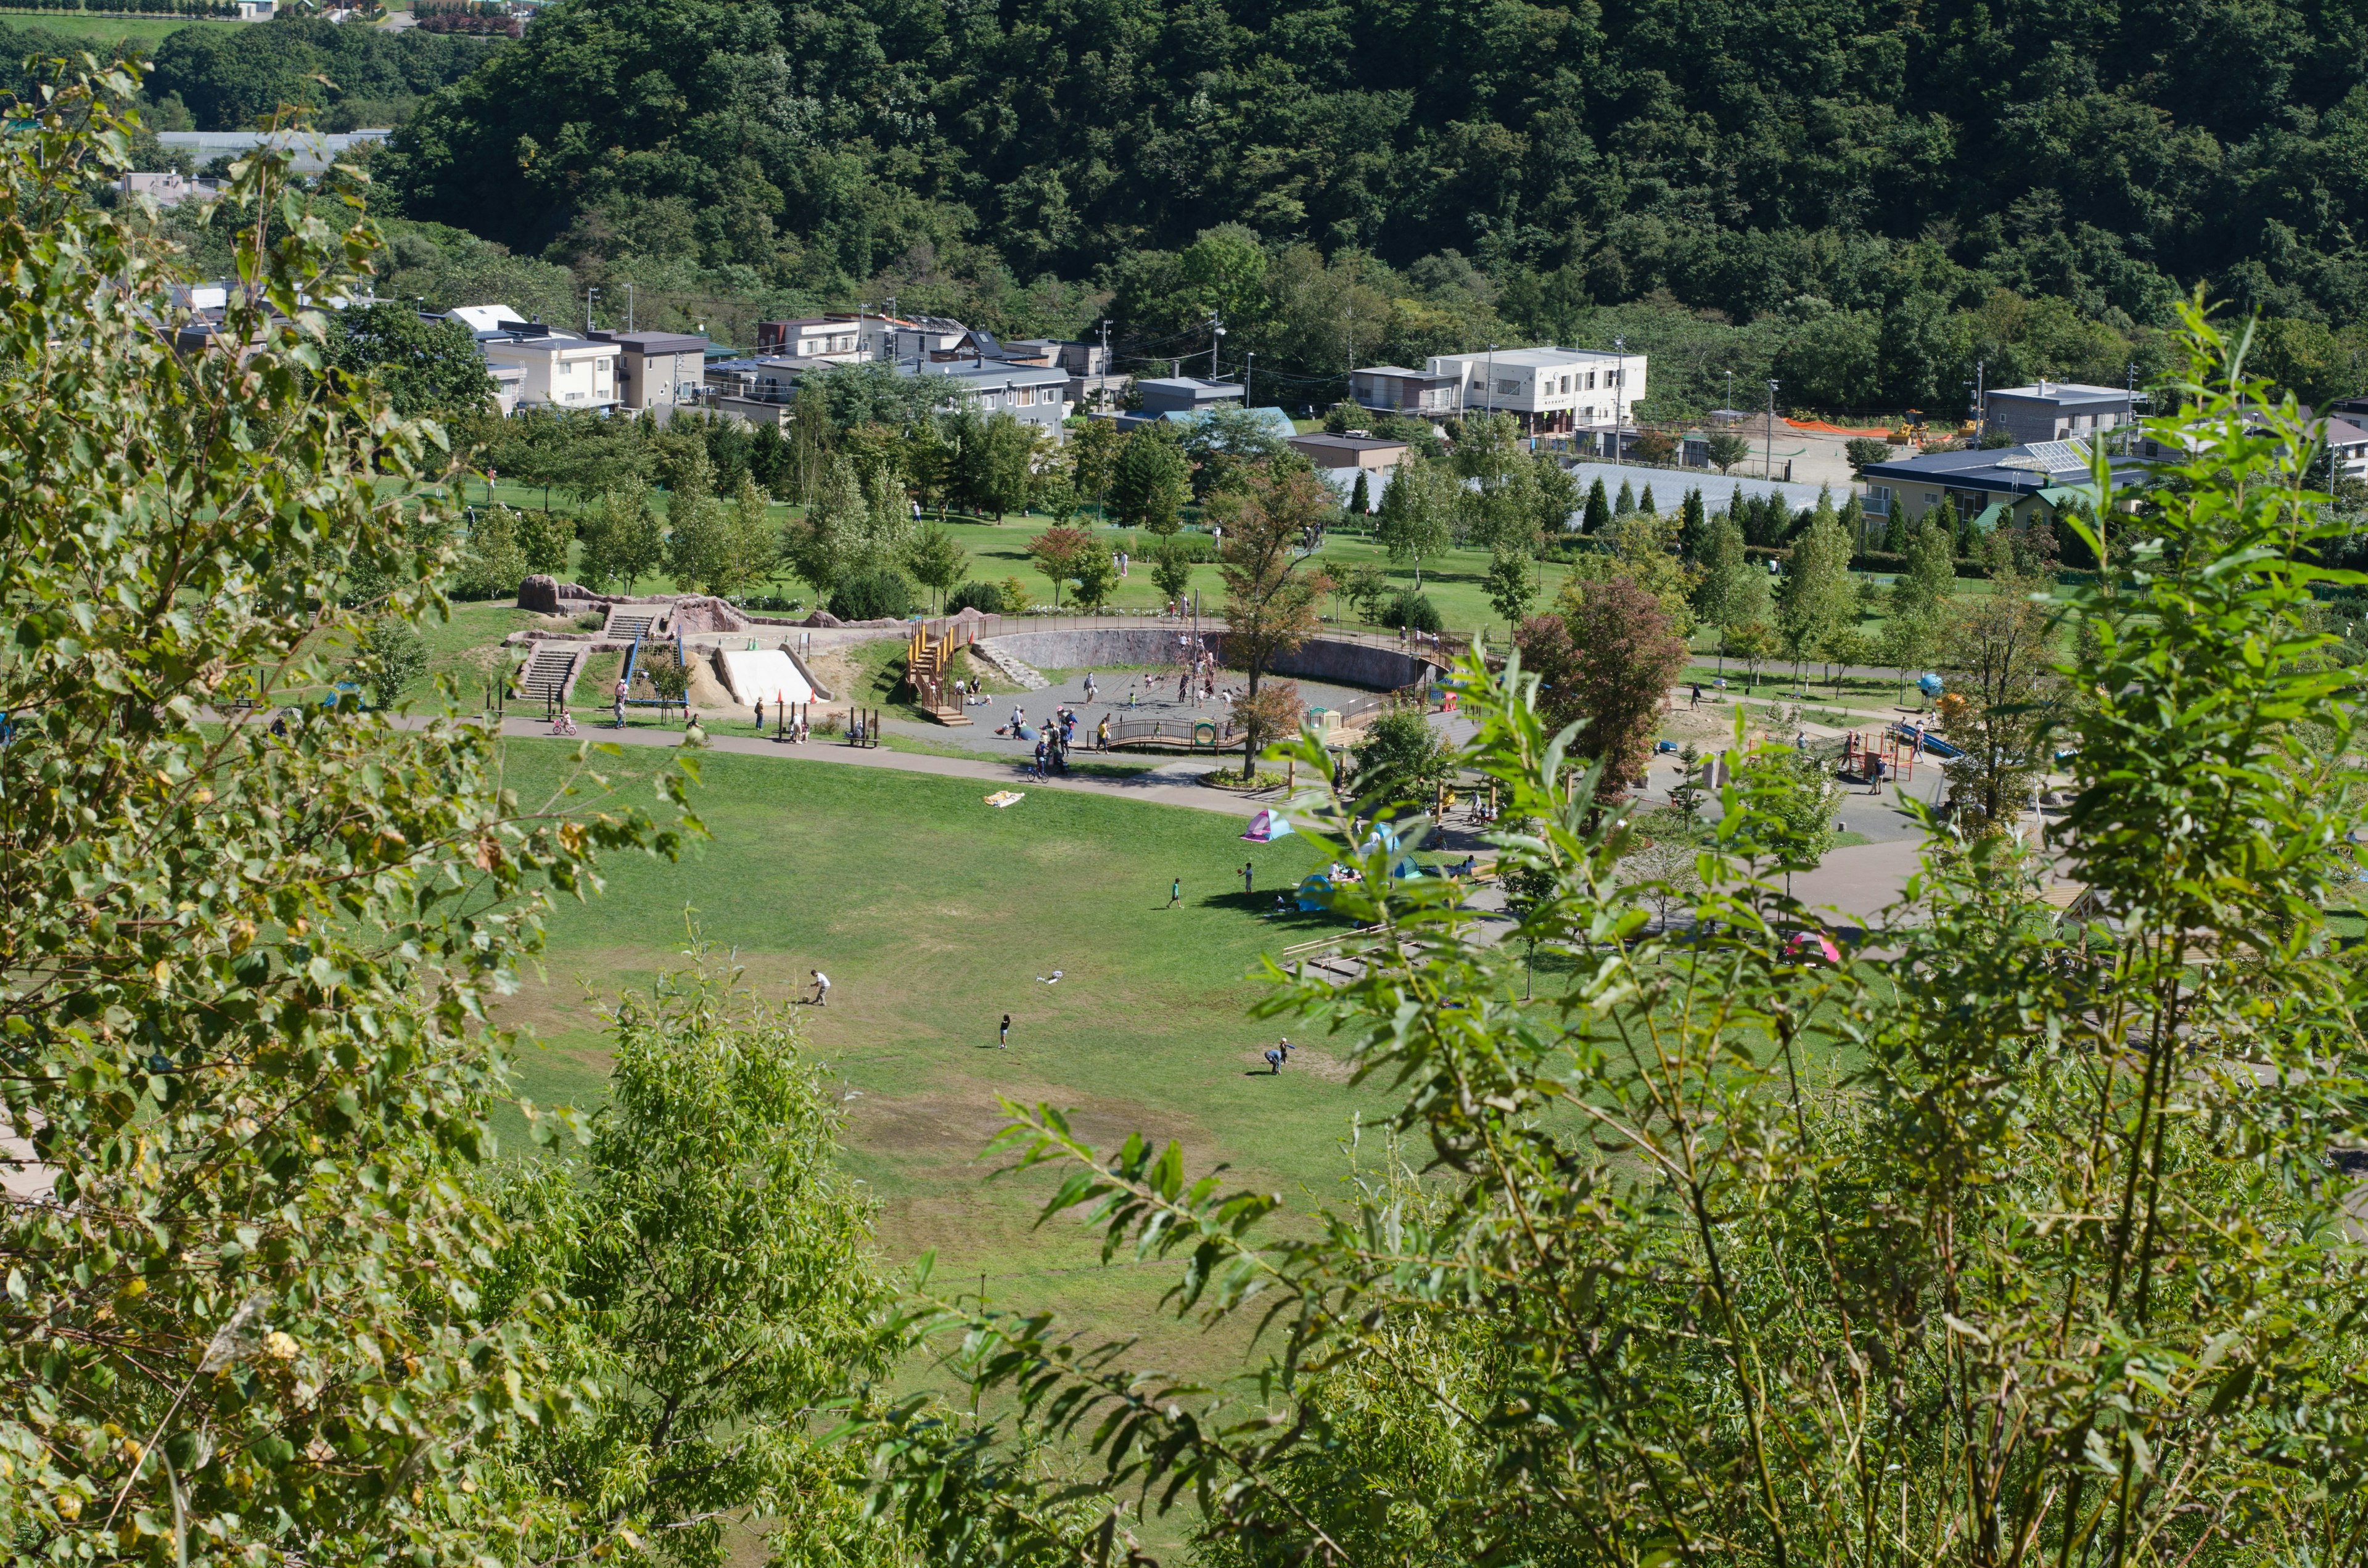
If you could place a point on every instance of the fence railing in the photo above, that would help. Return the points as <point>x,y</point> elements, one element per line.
<point>1203,734</point>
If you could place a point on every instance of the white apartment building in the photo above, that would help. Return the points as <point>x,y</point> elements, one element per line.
<point>836,338</point>
<point>1550,390</point>
<point>554,368</point>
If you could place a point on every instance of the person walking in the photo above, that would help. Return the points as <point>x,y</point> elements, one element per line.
<point>617,702</point>
<point>1002,1036</point>
<point>1175,892</point>
<point>1697,703</point>
<point>1101,734</point>
<point>822,988</point>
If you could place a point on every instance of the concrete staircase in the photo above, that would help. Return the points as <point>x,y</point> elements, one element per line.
<point>1024,676</point>
<point>629,621</point>
<point>549,674</point>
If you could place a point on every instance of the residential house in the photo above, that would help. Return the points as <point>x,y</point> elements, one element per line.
<point>1036,395</point>
<point>555,369</point>
<point>1393,389</point>
<point>1275,421</point>
<point>908,337</point>
<point>1993,487</point>
<point>1340,459</point>
<point>1550,390</point>
<point>1184,395</point>
<point>168,189</point>
<point>838,339</point>
<point>2347,441</point>
<point>2054,411</point>
<point>658,372</point>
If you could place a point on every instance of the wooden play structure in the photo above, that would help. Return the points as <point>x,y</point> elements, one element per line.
<point>925,655</point>
<point>1897,751</point>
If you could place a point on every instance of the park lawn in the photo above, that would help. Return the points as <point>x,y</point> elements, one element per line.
<point>933,914</point>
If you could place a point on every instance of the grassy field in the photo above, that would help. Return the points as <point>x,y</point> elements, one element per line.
<point>933,914</point>
<point>110,31</point>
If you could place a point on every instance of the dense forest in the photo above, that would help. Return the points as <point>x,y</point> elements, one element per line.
<point>1866,201</point>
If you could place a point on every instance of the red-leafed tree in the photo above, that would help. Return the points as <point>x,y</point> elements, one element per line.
<point>1607,658</point>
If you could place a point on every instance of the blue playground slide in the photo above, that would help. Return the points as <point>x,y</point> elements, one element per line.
<point>1933,745</point>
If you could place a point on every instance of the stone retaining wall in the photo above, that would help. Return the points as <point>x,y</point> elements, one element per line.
<point>1338,663</point>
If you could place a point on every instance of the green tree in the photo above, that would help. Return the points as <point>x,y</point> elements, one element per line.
<point>992,468</point>
<point>1932,578</point>
<point>1361,499</point>
<point>545,540</point>
<point>1861,450</point>
<point>937,559</point>
<point>389,655</point>
<point>711,1268</point>
<point>1508,585</point>
<point>492,563</point>
<point>751,546</point>
<point>1365,585</point>
<point>1726,449</point>
<point>1401,760</point>
<point>1734,589</point>
<point>1815,599</point>
<point>1598,518</point>
<point>1271,594</point>
<point>248,1071</point>
<point>2000,648</point>
<point>699,542</point>
<point>1172,569</point>
<point>1095,573</point>
<point>623,539</point>
<point>1149,480</point>
<point>423,366</point>
<point>1415,522</point>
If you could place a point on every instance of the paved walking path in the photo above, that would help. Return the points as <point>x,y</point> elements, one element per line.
<point>1171,784</point>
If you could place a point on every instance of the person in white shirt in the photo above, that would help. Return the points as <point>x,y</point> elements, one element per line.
<point>822,988</point>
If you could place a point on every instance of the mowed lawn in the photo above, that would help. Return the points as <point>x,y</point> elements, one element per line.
<point>934,915</point>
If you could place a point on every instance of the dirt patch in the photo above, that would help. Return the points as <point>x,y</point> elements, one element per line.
<point>1711,726</point>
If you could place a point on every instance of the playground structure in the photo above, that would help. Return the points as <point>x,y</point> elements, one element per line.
<point>1895,748</point>
<point>927,653</point>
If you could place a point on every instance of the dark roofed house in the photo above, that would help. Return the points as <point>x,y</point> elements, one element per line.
<point>657,370</point>
<point>2054,411</point>
<point>1393,389</point>
<point>1184,395</point>
<point>1993,487</point>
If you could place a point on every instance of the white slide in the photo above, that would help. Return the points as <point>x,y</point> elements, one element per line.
<point>764,675</point>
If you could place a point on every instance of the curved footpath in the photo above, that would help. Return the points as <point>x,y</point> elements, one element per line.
<point>1857,883</point>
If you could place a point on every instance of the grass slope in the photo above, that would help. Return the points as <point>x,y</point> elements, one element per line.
<point>933,914</point>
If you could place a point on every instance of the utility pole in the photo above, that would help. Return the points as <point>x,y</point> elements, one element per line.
<point>1249,363</point>
<point>1101,388</point>
<point>1216,337</point>
<point>1768,458</point>
<point>629,307</point>
<point>589,295</point>
<point>1492,378</point>
<point>1618,393</point>
<point>1981,424</point>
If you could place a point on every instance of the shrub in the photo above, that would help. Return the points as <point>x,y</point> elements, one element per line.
<point>1411,611</point>
<point>872,596</point>
<point>984,597</point>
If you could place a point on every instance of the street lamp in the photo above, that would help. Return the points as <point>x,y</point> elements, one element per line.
<point>1768,457</point>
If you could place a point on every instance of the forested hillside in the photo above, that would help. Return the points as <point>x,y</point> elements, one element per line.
<point>1907,160</point>
<point>1864,200</point>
